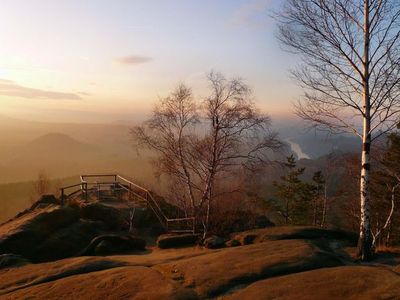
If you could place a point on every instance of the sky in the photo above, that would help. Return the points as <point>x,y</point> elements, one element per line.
<point>111,60</point>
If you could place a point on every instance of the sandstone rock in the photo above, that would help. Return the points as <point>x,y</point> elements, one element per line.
<point>348,282</point>
<point>23,235</point>
<point>46,200</point>
<point>69,241</point>
<point>233,243</point>
<point>114,244</point>
<point>134,282</point>
<point>294,232</point>
<point>97,211</point>
<point>176,240</point>
<point>214,242</point>
<point>212,274</point>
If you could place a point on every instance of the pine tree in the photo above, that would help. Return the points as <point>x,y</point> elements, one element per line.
<point>319,198</point>
<point>294,194</point>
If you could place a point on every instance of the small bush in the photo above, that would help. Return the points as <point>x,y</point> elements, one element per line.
<point>224,223</point>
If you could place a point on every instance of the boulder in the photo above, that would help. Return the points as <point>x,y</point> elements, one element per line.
<point>108,244</point>
<point>233,243</point>
<point>12,260</point>
<point>294,232</point>
<point>176,240</point>
<point>246,238</point>
<point>214,242</point>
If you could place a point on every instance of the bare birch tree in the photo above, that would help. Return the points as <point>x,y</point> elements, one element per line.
<point>200,142</point>
<point>350,53</point>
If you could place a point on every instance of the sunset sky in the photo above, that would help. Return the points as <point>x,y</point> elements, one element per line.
<point>108,60</point>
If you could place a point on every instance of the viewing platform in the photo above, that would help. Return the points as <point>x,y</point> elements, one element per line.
<point>103,187</point>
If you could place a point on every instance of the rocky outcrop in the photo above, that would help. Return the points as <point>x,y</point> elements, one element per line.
<point>50,231</point>
<point>116,283</point>
<point>45,201</point>
<point>25,235</point>
<point>110,215</point>
<point>277,265</point>
<point>349,282</point>
<point>213,274</point>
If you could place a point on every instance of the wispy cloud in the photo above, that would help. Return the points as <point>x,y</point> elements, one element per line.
<point>84,94</point>
<point>253,14</point>
<point>133,60</point>
<point>12,89</point>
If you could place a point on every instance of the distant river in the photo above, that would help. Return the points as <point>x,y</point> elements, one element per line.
<point>297,149</point>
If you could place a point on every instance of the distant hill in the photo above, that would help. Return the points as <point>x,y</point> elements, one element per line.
<point>54,145</point>
<point>61,155</point>
<point>66,149</point>
<point>53,152</point>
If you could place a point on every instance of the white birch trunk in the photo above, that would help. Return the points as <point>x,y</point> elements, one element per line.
<point>365,241</point>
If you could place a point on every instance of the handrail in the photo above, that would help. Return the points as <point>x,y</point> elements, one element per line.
<point>100,175</point>
<point>102,183</point>
<point>71,186</point>
<point>181,219</point>
<point>147,192</point>
<point>134,184</point>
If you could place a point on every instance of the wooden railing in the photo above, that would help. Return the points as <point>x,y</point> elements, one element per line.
<point>134,191</point>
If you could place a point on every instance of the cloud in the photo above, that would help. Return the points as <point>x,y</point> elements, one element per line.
<point>84,94</point>
<point>253,14</point>
<point>133,60</point>
<point>12,89</point>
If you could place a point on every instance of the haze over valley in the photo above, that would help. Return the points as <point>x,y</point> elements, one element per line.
<point>63,151</point>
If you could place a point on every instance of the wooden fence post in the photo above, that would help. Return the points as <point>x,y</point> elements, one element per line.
<point>62,196</point>
<point>86,191</point>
